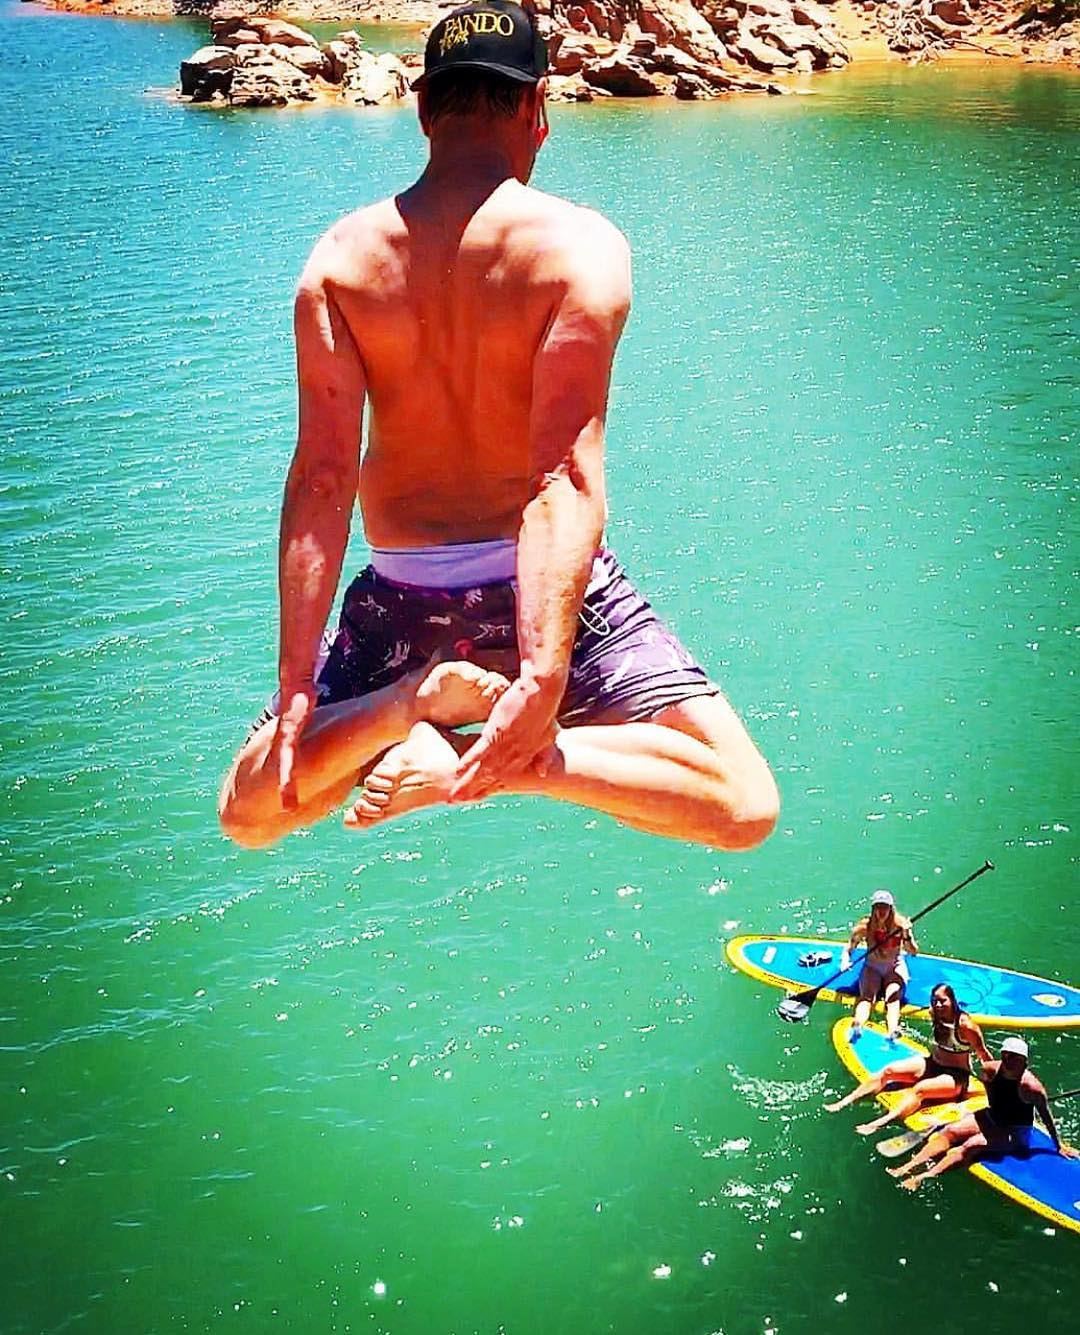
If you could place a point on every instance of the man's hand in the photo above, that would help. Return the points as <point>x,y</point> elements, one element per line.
<point>521,724</point>
<point>297,704</point>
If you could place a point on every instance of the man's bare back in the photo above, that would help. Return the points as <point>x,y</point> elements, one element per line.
<point>448,291</point>
<point>477,320</point>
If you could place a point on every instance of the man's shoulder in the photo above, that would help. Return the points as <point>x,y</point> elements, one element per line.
<point>1033,1085</point>
<point>364,232</point>
<point>576,226</point>
<point>574,249</point>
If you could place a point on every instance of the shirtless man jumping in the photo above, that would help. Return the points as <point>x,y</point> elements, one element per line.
<point>478,319</point>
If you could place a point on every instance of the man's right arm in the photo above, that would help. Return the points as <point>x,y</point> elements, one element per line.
<point>319,497</point>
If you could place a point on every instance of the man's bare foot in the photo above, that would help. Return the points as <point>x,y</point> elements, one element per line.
<point>868,1128</point>
<point>911,1183</point>
<point>900,1171</point>
<point>838,1106</point>
<point>418,772</point>
<point>454,694</point>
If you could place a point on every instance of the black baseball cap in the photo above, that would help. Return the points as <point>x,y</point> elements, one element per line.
<point>495,35</point>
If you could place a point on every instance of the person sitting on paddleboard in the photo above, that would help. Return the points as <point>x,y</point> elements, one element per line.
<point>1004,1126</point>
<point>887,934</point>
<point>940,1077</point>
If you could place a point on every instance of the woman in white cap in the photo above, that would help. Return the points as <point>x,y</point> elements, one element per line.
<point>886,935</point>
<point>1013,1096</point>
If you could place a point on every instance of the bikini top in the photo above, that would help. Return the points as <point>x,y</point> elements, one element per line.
<point>947,1038</point>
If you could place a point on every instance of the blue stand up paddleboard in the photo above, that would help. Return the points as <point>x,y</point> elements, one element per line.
<point>1041,1179</point>
<point>991,996</point>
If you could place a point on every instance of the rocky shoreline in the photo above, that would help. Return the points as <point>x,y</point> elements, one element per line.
<point>688,49</point>
<point>254,61</point>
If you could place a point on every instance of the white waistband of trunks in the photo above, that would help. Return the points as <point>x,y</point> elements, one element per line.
<point>459,565</point>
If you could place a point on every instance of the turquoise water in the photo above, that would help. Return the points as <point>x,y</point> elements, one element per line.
<point>486,1070</point>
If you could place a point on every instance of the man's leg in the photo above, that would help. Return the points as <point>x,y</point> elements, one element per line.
<point>958,1157</point>
<point>691,773</point>
<point>339,740</point>
<point>940,1143</point>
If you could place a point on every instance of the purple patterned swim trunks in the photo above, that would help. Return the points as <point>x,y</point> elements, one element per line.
<point>626,665</point>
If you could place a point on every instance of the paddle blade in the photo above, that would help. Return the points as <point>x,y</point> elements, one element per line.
<point>895,1146</point>
<point>793,1010</point>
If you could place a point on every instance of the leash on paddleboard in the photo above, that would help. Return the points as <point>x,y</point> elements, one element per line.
<point>796,1007</point>
<point>895,1146</point>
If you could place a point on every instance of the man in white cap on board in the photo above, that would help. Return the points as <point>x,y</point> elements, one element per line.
<point>1013,1095</point>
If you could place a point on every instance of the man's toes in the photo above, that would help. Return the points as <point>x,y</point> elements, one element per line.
<point>378,783</point>
<point>366,806</point>
<point>361,812</point>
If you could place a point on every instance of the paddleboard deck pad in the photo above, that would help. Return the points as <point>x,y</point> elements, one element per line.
<point>1041,1180</point>
<point>992,996</point>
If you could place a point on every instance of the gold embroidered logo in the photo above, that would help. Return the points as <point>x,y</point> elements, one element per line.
<point>458,30</point>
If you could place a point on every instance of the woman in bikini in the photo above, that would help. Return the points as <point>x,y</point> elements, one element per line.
<point>940,1077</point>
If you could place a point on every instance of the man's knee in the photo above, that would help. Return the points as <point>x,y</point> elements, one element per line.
<point>242,833</point>
<point>749,816</point>
<point>745,806</point>
<point>971,1150</point>
<point>964,1133</point>
<point>237,825</point>
<point>237,816</point>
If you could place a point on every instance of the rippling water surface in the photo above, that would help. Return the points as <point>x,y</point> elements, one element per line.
<point>487,1070</point>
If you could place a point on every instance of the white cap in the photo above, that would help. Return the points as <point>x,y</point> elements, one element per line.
<point>1014,1044</point>
<point>882,897</point>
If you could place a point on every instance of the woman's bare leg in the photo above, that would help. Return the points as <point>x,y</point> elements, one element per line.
<point>937,1089</point>
<point>894,991</point>
<point>905,1072</point>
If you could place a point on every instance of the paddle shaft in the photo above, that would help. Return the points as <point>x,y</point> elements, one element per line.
<point>896,931</point>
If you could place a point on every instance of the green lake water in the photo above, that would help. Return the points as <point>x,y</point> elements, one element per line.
<point>487,1070</point>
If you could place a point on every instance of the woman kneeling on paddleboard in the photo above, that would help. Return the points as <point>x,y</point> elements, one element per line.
<point>941,1076</point>
<point>887,935</point>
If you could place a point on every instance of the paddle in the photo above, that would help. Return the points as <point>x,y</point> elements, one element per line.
<point>797,1007</point>
<point>911,1140</point>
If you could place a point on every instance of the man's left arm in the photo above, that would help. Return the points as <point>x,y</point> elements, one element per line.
<point>563,522</point>
<point>1042,1107</point>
